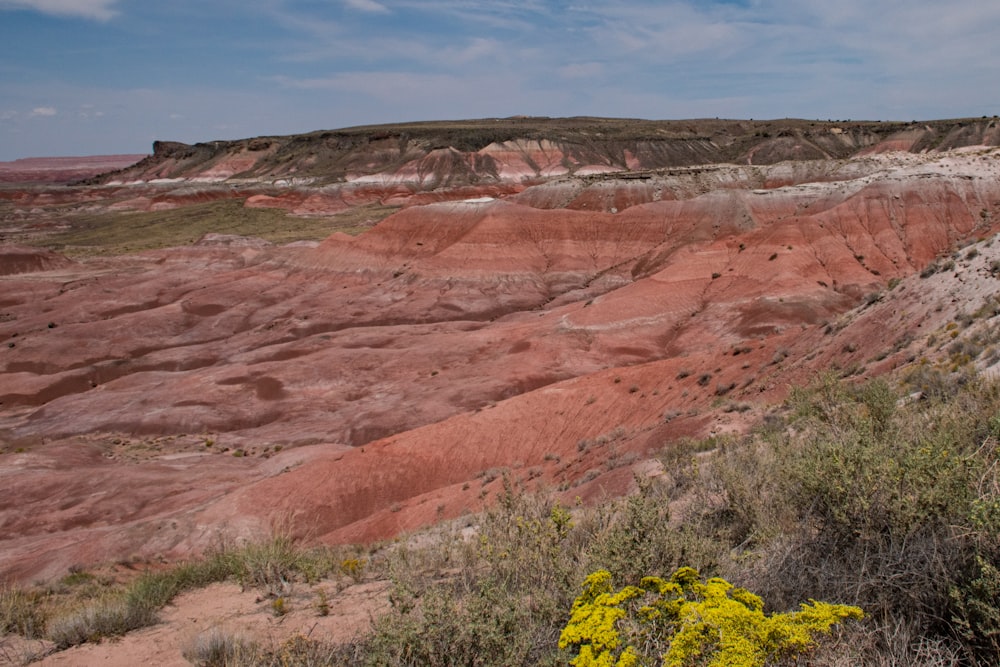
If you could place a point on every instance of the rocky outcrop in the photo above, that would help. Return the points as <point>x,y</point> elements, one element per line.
<point>17,259</point>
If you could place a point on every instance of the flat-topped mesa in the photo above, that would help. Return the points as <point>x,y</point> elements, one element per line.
<point>456,153</point>
<point>60,170</point>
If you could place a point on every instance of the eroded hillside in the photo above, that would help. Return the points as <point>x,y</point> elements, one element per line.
<point>559,323</point>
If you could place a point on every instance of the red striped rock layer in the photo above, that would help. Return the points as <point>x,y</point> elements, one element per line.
<point>451,340</point>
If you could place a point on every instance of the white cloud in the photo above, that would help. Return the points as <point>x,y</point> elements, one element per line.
<point>477,48</point>
<point>367,6</point>
<point>89,112</point>
<point>43,111</point>
<point>343,63</point>
<point>100,10</point>
<point>383,95</point>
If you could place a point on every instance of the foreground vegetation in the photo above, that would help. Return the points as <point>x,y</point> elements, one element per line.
<point>847,494</point>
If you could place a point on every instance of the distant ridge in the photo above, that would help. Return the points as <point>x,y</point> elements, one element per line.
<point>465,152</point>
<point>62,169</point>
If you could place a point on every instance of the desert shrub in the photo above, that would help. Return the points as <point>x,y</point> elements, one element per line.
<point>20,612</point>
<point>450,627</point>
<point>353,567</point>
<point>845,493</point>
<point>274,564</point>
<point>504,603</point>
<point>269,566</point>
<point>893,508</point>
<point>634,536</point>
<point>724,388</point>
<point>506,598</point>
<point>133,606</point>
<point>217,648</point>
<point>936,383</point>
<point>111,616</point>
<point>894,643</point>
<point>975,612</point>
<point>685,621</point>
<point>524,543</point>
<point>300,651</point>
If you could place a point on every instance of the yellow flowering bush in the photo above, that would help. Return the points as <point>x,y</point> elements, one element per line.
<point>687,622</point>
<point>592,626</point>
<point>353,567</point>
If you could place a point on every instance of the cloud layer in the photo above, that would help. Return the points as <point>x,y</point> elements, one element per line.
<point>196,71</point>
<point>101,10</point>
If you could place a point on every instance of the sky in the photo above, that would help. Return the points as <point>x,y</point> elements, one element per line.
<point>97,77</point>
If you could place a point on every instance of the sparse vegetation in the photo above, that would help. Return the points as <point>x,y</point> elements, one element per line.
<point>279,607</point>
<point>919,520</point>
<point>115,233</point>
<point>20,612</point>
<point>83,608</point>
<point>616,433</point>
<point>122,609</point>
<point>216,647</point>
<point>846,494</point>
<point>724,388</point>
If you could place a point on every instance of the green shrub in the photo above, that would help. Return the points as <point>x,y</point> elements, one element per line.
<point>267,566</point>
<point>504,606</point>
<point>633,536</point>
<point>893,508</point>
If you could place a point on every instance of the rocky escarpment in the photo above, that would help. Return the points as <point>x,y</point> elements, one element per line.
<point>454,153</point>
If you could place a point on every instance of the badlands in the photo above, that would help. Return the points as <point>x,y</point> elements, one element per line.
<point>358,333</point>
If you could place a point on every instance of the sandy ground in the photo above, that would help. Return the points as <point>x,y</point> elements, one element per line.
<point>226,609</point>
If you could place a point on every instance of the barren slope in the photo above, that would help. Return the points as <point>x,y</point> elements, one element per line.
<point>365,385</point>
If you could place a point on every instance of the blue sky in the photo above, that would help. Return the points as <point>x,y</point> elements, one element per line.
<point>81,77</point>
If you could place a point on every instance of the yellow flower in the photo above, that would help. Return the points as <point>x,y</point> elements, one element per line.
<point>710,623</point>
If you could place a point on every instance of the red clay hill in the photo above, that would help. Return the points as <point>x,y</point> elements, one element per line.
<point>550,299</point>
